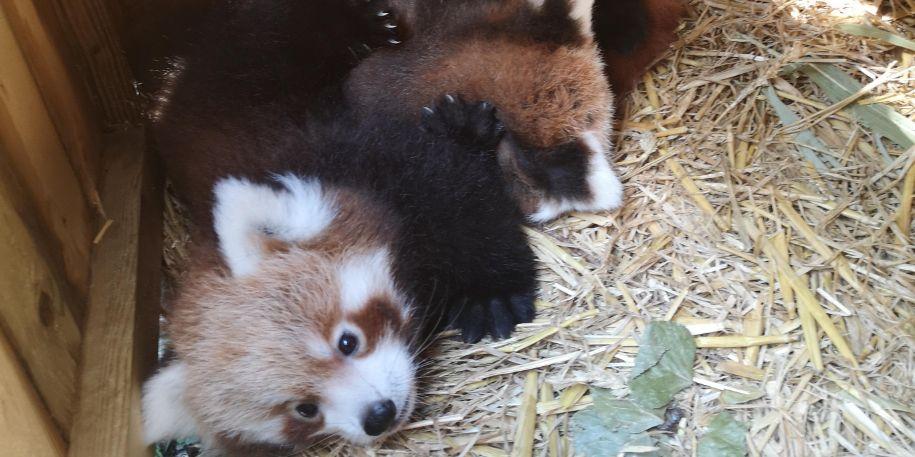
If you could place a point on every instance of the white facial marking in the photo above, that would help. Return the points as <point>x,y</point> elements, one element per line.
<point>165,416</point>
<point>605,187</point>
<point>267,431</point>
<point>244,211</point>
<point>365,276</point>
<point>385,374</point>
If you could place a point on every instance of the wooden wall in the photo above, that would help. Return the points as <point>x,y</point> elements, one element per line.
<point>76,336</point>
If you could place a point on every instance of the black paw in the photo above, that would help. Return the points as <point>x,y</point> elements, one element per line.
<point>473,124</point>
<point>377,26</point>
<point>494,316</point>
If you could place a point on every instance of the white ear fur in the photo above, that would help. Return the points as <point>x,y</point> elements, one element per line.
<point>165,415</point>
<point>582,11</point>
<point>246,212</point>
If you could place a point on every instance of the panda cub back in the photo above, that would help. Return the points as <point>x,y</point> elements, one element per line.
<point>538,62</point>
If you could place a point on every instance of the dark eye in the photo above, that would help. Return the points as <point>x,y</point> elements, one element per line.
<point>307,410</point>
<point>348,343</point>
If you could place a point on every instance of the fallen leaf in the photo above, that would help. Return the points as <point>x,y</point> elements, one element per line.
<point>808,144</point>
<point>664,364</point>
<point>725,437</point>
<point>867,30</point>
<point>611,424</point>
<point>878,117</point>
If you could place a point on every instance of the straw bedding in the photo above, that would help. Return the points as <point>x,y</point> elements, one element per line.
<point>731,229</point>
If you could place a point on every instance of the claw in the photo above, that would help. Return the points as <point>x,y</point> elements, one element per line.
<point>449,98</point>
<point>390,26</point>
<point>382,14</point>
<point>393,41</point>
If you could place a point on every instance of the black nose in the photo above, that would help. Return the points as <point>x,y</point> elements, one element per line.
<point>379,417</point>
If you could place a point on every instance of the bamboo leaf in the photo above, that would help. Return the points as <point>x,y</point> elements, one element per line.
<point>808,144</point>
<point>869,31</point>
<point>878,117</point>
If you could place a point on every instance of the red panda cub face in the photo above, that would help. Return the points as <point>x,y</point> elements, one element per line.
<point>306,336</point>
<point>537,61</point>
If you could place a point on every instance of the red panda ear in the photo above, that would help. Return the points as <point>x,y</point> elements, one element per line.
<point>582,12</point>
<point>253,221</point>
<point>564,20</point>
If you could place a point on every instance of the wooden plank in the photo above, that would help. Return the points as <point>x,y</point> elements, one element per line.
<point>89,27</point>
<point>119,345</point>
<point>35,304</point>
<point>39,36</point>
<point>29,139</point>
<point>25,429</point>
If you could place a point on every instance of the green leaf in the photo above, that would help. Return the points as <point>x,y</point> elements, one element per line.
<point>626,415</point>
<point>664,364</point>
<point>878,117</point>
<point>867,30</point>
<point>808,144</point>
<point>610,424</point>
<point>725,437</point>
<point>594,438</point>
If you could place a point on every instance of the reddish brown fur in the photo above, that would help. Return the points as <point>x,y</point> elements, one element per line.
<point>219,320</point>
<point>545,96</point>
<point>546,93</point>
<point>377,319</point>
<point>544,75</point>
<point>625,70</point>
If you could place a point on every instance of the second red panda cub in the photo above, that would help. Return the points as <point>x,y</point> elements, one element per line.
<point>537,62</point>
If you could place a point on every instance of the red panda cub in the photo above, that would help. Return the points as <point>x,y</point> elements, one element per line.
<point>537,61</point>
<point>329,242</point>
<point>544,66</point>
<point>306,334</point>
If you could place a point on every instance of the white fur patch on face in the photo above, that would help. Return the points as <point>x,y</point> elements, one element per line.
<point>385,374</point>
<point>267,431</point>
<point>605,187</point>
<point>245,213</point>
<point>165,415</point>
<point>363,277</point>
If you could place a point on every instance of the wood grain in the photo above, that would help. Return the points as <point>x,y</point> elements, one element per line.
<point>35,304</point>
<point>89,28</point>
<point>119,344</point>
<point>30,141</point>
<point>39,35</point>
<point>25,429</point>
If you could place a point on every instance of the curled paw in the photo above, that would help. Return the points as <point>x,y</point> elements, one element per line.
<point>467,123</point>
<point>493,316</point>
<point>378,26</point>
